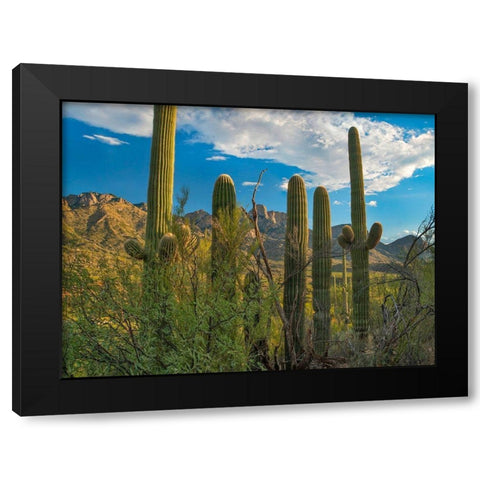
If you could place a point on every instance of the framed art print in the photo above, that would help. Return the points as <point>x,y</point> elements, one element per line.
<point>193,239</point>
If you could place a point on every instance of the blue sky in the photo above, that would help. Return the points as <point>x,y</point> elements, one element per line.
<point>106,148</point>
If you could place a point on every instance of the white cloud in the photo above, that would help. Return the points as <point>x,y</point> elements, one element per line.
<point>313,142</point>
<point>336,202</point>
<point>108,140</point>
<point>216,158</point>
<point>371,203</point>
<point>284,184</point>
<point>119,118</point>
<point>250,184</point>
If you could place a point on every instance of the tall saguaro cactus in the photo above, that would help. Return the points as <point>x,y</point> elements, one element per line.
<point>345,284</point>
<point>224,202</point>
<point>160,189</point>
<point>160,182</point>
<point>355,238</point>
<point>321,269</point>
<point>296,246</point>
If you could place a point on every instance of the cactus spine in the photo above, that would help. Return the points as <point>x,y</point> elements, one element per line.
<point>355,238</point>
<point>224,202</point>
<point>321,269</point>
<point>296,245</point>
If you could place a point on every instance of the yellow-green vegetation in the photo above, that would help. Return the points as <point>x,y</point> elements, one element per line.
<point>211,299</point>
<point>111,329</point>
<point>108,330</point>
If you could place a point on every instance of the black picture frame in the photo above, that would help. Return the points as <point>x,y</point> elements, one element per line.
<point>38,91</point>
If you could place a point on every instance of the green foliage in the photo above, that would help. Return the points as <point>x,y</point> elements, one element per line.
<point>116,323</point>
<point>196,315</point>
<point>296,246</point>
<point>321,269</point>
<point>402,308</point>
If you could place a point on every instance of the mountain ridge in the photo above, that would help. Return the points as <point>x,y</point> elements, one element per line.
<point>108,220</point>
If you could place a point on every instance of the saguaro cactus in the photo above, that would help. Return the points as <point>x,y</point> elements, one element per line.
<point>355,238</point>
<point>160,182</point>
<point>160,189</point>
<point>296,246</point>
<point>321,269</point>
<point>224,202</point>
<point>345,284</point>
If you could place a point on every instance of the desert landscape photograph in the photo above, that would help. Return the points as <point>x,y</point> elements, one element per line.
<point>201,240</point>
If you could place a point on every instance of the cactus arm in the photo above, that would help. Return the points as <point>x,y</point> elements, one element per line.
<point>187,241</point>
<point>347,232</point>
<point>134,249</point>
<point>167,248</point>
<point>374,235</point>
<point>342,241</point>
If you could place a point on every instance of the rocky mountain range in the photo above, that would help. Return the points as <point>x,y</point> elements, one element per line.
<point>102,221</point>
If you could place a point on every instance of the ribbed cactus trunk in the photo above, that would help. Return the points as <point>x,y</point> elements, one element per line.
<point>224,202</point>
<point>159,199</point>
<point>359,251</point>
<point>321,270</point>
<point>361,244</point>
<point>296,246</point>
<point>345,284</point>
<point>160,182</point>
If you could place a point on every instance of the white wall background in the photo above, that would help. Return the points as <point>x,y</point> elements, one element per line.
<point>373,39</point>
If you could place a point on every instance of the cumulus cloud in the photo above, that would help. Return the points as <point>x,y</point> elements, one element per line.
<point>313,142</point>
<point>283,184</point>
<point>104,139</point>
<point>216,158</point>
<point>371,203</point>
<point>251,184</point>
<point>118,118</point>
<point>337,202</point>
